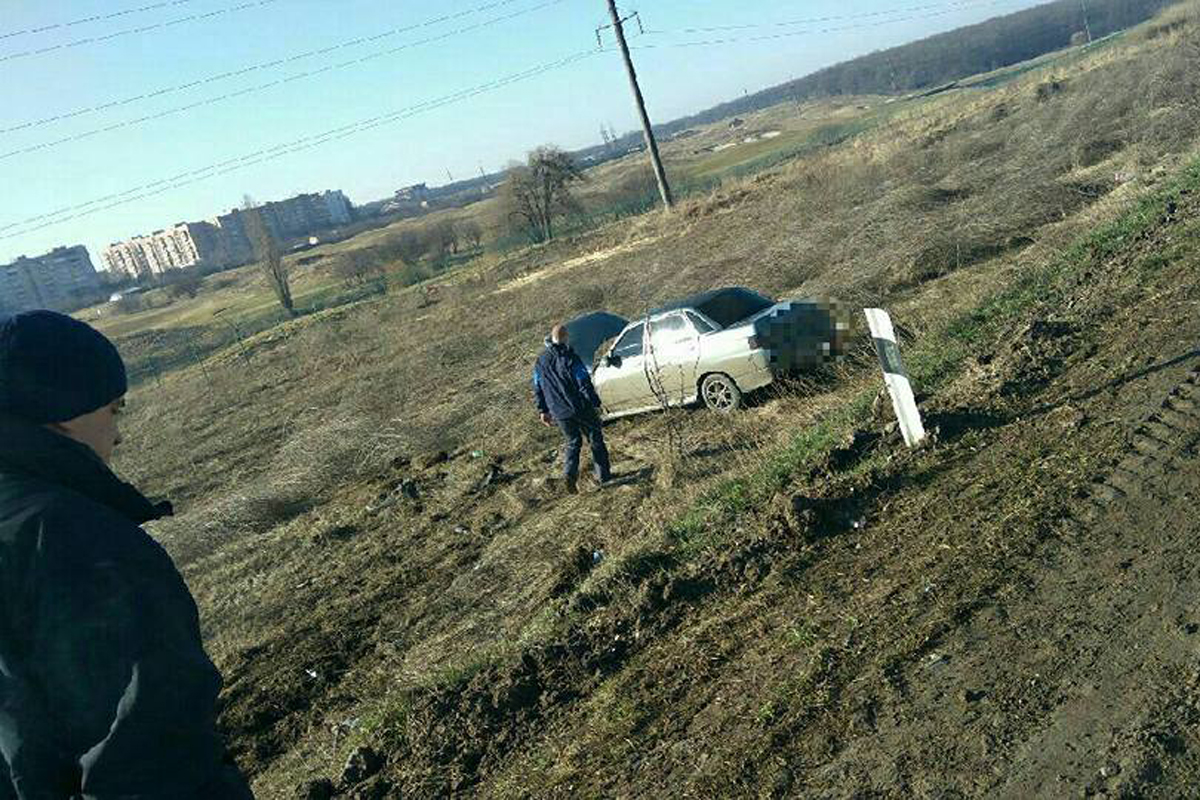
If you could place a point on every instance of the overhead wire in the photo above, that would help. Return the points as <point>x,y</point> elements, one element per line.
<point>183,179</point>
<point>285,80</point>
<point>836,18</point>
<point>37,51</point>
<point>256,67</point>
<point>269,154</point>
<point>312,73</point>
<point>94,18</point>
<point>812,32</point>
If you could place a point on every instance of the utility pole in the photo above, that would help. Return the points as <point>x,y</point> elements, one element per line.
<point>1086,25</point>
<point>664,189</point>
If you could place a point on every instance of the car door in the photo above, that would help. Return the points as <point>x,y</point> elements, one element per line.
<point>673,348</point>
<point>620,378</point>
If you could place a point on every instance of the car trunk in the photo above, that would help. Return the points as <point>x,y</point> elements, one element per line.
<point>800,334</point>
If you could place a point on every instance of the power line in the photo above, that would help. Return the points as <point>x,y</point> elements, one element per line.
<point>660,174</point>
<point>288,79</point>
<point>94,18</point>
<point>255,67</point>
<point>268,154</point>
<point>128,31</point>
<point>278,151</point>
<point>812,32</point>
<point>818,20</point>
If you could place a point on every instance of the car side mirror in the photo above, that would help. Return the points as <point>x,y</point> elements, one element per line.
<point>613,361</point>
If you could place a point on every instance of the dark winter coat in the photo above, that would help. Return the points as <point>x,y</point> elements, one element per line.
<point>105,688</point>
<point>562,387</point>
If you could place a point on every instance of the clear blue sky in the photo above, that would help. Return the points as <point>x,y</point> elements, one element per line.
<point>565,106</point>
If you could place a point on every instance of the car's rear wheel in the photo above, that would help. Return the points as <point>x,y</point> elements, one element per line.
<point>720,393</point>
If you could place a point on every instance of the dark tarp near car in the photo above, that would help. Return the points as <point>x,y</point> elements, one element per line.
<point>590,331</point>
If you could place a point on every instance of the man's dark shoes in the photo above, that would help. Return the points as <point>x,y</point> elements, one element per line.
<point>572,484</point>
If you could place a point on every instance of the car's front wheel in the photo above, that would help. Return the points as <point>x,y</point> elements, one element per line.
<point>720,393</point>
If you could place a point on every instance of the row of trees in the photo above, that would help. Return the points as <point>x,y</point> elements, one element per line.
<point>535,199</point>
<point>949,56</point>
<point>436,243</point>
<point>536,196</point>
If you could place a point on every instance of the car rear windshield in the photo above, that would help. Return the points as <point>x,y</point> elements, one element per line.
<point>726,308</point>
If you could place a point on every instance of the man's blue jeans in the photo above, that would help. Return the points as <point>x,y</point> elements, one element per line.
<point>574,429</point>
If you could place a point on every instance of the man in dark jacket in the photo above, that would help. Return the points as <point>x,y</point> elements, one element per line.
<point>105,688</point>
<point>564,394</point>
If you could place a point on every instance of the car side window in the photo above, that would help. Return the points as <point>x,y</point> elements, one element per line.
<point>669,327</point>
<point>670,330</point>
<point>701,324</point>
<point>631,343</point>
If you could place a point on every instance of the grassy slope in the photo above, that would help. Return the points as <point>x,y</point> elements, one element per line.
<point>804,631</point>
<point>295,443</point>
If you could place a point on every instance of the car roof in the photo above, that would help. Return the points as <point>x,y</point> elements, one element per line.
<point>692,301</point>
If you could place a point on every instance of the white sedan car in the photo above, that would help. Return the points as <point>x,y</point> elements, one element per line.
<point>714,346</point>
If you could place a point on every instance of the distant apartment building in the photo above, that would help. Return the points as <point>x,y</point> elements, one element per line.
<point>291,220</point>
<point>301,215</point>
<point>63,279</point>
<point>410,200</point>
<point>222,242</point>
<point>187,244</point>
<point>126,258</point>
<point>417,193</point>
<point>233,246</point>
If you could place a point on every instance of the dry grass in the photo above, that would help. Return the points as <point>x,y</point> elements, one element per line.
<point>278,449</point>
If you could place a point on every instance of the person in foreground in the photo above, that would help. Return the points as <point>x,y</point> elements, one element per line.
<point>564,395</point>
<point>105,689</point>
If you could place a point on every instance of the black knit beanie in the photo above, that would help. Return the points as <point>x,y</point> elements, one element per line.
<point>54,368</point>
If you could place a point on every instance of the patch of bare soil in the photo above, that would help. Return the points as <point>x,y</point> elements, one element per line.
<point>570,264</point>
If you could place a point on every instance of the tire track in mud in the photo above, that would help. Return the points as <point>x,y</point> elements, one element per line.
<point>1157,447</point>
<point>1121,710</point>
<point>1068,683</point>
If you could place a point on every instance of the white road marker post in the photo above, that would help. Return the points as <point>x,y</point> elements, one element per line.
<point>894,376</point>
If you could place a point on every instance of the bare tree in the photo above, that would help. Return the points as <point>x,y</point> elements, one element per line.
<point>444,238</point>
<point>361,266</point>
<point>472,233</point>
<point>268,253</point>
<point>409,246</point>
<point>539,192</point>
<point>182,283</point>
